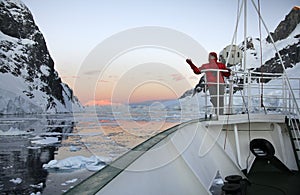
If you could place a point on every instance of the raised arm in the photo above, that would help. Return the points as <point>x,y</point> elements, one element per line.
<point>193,66</point>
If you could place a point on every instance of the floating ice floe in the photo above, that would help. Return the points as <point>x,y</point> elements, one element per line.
<point>46,141</point>
<point>33,147</point>
<point>38,186</point>
<point>16,181</point>
<point>38,193</point>
<point>69,182</point>
<point>8,167</point>
<point>75,148</point>
<point>14,131</point>
<point>94,163</point>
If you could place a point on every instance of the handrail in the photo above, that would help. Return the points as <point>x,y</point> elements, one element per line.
<point>276,92</point>
<point>218,108</point>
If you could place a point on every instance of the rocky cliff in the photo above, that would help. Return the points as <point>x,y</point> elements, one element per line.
<point>29,82</point>
<point>287,26</point>
<point>288,30</point>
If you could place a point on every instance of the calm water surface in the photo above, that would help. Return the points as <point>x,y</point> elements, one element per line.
<point>104,132</point>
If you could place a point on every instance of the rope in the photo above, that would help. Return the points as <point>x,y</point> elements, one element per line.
<point>235,30</point>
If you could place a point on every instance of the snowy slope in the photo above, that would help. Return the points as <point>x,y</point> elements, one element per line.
<point>28,81</point>
<point>269,52</point>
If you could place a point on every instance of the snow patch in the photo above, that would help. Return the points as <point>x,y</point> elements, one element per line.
<point>45,70</point>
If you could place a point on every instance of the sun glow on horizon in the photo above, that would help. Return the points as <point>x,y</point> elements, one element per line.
<point>139,71</point>
<point>103,102</point>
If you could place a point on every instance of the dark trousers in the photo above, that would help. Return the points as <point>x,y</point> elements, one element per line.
<point>214,97</point>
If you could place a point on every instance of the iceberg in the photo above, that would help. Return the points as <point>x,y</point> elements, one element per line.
<point>93,163</point>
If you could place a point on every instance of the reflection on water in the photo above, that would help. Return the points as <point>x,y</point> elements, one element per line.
<point>23,164</point>
<point>20,160</point>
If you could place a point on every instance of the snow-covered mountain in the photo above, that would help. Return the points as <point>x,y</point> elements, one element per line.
<point>287,41</point>
<point>29,82</point>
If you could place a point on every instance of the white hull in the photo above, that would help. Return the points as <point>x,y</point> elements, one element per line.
<point>188,160</point>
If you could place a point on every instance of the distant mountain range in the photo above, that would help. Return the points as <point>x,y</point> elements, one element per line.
<point>287,40</point>
<point>29,82</point>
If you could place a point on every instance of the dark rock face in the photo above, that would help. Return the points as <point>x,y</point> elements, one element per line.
<point>186,93</point>
<point>24,54</point>
<point>290,56</point>
<point>249,44</point>
<point>287,26</point>
<point>19,23</point>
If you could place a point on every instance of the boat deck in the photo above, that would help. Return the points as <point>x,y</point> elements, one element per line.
<point>271,178</point>
<point>265,177</point>
<point>97,181</point>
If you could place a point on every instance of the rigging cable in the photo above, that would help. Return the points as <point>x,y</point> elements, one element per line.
<point>281,62</point>
<point>249,128</point>
<point>233,41</point>
<point>235,30</point>
<point>248,80</point>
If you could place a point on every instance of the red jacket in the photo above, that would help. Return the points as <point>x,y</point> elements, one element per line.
<point>211,76</point>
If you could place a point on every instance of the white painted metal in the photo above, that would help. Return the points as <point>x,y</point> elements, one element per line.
<point>237,144</point>
<point>233,54</point>
<point>184,163</point>
<point>187,161</point>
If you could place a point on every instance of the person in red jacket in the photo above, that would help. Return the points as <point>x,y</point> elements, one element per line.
<point>212,79</point>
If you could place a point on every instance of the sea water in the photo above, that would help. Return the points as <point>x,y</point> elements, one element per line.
<point>47,154</point>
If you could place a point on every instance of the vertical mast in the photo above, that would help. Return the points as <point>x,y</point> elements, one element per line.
<point>246,80</point>
<point>245,33</point>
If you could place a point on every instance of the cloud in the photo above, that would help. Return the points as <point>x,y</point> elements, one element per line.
<point>92,72</point>
<point>103,81</point>
<point>177,77</point>
<point>114,77</point>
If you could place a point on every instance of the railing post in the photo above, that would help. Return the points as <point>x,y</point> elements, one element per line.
<point>284,95</point>
<point>249,95</point>
<point>229,107</point>
<point>218,93</point>
<point>206,106</point>
<point>237,144</point>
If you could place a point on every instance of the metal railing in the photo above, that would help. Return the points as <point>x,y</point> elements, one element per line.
<point>255,92</point>
<point>219,106</point>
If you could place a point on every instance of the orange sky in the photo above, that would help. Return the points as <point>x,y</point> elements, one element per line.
<point>151,81</point>
<point>133,67</point>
